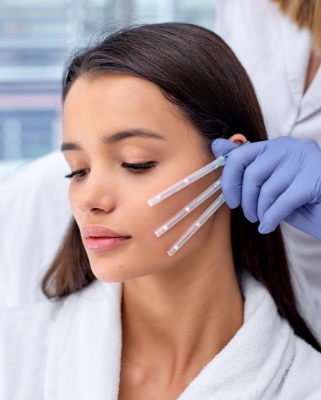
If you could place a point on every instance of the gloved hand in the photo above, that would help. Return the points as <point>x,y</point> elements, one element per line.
<point>274,180</point>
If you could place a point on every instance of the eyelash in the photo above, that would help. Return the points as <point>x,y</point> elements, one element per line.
<point>79,173</point>
<point>139,168</point>
<point>136,168</point>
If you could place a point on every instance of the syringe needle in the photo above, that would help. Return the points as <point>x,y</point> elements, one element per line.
<point>189,208</point>
<point>196,226</point>
<point>220,161</point>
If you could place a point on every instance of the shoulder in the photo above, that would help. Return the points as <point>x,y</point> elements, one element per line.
<point>40,316</point>
<point>252,28</point>
<point>34,323</point>
<point>249,15</point>
<point>24,336</point>
<point>24,325</point>
<point>294,366</point>
<point>302,380</point>
<point>32,337</point>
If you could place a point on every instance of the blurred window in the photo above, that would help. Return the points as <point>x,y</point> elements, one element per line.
<point>36,38</point>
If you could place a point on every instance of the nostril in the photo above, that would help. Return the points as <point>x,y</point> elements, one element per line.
<point>96,209</point>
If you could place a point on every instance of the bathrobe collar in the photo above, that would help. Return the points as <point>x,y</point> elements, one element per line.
<point>85,350</point>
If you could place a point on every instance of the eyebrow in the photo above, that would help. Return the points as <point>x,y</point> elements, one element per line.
<point>115,138</point>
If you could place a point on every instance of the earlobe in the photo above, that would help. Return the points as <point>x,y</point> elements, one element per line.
<point>238,138</point>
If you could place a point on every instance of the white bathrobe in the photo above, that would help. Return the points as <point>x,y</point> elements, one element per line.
<point>71,350</point>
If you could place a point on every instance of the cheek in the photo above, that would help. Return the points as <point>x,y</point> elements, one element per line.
<point>148,254</point>
<point>151,218</point>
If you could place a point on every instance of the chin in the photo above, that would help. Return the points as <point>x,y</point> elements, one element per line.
<point>111,276</point>
<point>113,272</point>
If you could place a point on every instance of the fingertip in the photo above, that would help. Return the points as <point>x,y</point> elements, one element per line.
<point>252,218</point>
<point>264,228</point>
<point>217,146</point>
<point>222,146</point>
<point>231,204</point>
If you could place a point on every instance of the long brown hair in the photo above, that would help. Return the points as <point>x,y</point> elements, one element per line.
<point>199,73</point>
<point>306,14</point>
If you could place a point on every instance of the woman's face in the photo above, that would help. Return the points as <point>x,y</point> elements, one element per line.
<point>125,143</point>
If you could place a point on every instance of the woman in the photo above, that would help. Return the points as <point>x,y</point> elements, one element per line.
<point>141,110</point>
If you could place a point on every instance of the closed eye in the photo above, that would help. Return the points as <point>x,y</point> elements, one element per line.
<point>139,168</point>
<point>79,173</point>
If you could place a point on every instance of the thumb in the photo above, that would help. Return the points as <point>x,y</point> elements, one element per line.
<point>222,146</point>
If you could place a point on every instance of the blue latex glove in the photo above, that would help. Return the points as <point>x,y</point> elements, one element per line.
<point>275,180</point>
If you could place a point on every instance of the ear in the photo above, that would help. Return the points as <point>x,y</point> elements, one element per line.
<point>238,138</point>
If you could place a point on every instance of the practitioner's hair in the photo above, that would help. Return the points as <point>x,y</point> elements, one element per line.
<point>306,14</point>
<point>199,73</point>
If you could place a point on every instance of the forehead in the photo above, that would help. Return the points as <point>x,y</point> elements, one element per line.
<point>112,93</point>
<point>115,102</point>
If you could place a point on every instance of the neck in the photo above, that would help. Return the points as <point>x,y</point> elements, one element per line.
<point>181,320</point>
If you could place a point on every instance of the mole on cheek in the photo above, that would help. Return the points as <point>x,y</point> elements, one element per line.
<point>120,266</point>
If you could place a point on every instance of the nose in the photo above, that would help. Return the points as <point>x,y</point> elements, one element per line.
<point>96,194</point>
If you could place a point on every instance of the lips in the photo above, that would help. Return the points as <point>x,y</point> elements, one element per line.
<point>100,239</point>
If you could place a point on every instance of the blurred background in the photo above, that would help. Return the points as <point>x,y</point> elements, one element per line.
<point>36,37</point>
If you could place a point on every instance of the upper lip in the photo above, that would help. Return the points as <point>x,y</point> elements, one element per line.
<point>100,231</point>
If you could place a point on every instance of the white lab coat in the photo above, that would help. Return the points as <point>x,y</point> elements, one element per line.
<point>34,214</point>
<point>276,54</point>
<point>72,350</point>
